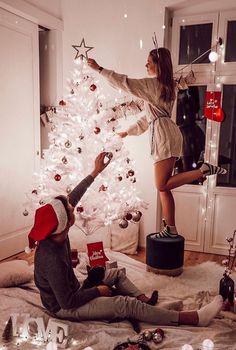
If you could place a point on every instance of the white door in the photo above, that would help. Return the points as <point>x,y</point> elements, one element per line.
<point>19,130</point>
<point>205,214</point>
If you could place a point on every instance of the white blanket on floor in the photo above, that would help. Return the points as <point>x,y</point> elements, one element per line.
<point>194,288</point>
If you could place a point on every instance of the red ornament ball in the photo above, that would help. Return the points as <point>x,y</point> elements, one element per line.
<point>131,173</point>
<point>93,87</point>
<point>80,209</point>
<point>128,216</point>
<point>96,130</point>
<point>57,177</point>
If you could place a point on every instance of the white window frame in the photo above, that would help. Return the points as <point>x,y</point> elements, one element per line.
<point>178,21</point>
<point>223,67</point>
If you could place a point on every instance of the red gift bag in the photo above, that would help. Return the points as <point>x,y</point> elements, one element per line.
<point>212,108</point>
<point>96,254</point>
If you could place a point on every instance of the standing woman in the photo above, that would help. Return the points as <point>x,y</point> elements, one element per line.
<point>158,93</point>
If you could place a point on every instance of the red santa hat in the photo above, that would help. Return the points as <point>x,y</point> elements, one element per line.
<point>49,220</point>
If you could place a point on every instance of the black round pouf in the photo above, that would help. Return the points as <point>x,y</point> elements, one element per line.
<point>165,255</point>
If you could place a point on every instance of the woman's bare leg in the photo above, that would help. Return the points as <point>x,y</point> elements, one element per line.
<point>164,179</point>
<point>163,172</point>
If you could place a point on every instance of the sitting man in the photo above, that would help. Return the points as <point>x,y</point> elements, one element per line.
<point>60,291</point>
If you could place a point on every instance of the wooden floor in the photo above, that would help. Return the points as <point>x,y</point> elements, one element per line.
<point>190,258</point>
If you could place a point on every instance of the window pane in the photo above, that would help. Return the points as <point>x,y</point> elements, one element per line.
<point>192,123</point>
<point>194,41</point>
<point>227,146</point>
<point>230,52</point>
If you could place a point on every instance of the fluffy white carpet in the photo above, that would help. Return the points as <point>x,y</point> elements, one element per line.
<point>195,287</point>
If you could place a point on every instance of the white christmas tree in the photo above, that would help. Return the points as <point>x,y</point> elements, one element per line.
<point>81,128</point>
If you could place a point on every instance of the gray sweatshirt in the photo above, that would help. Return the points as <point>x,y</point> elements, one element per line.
<point>54,275</point>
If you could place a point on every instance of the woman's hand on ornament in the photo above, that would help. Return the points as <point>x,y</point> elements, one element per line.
<point>93,64</point>
<point>122,134</point>
<point>101,162</point>
<point>104,291</point>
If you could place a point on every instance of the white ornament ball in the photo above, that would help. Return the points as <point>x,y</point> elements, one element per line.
<point>187,347</point>
<point>27,250</point>
<point>213,56</point>
<point>207,344</point>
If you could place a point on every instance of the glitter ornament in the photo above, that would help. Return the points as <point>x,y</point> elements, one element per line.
<point>160,332</point>
<point>25,212</point>
<point>96,130</point>
<point>57,177</point>
<point>157,338</point>
<point>147,335</point>
<point>92,87</point>
<point>68,144</point>
<point>123,223</point>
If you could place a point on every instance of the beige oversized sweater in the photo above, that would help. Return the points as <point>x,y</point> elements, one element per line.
<point>147,89</point>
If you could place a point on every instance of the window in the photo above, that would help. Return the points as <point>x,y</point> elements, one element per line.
<point>194,41</point>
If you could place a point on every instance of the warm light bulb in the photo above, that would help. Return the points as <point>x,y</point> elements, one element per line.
<point>125,15</point>
<point>141,43</point>
<point>187,347</point>
<point>207,344</point>
<point>213,56</point>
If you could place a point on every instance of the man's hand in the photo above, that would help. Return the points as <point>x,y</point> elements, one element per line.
<point>93,64</point>
<point>101,162</point>
<point>104,291</point>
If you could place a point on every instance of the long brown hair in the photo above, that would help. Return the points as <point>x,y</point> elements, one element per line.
<point>165,72</point>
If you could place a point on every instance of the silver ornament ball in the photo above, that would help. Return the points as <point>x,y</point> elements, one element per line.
<point>123,223</point>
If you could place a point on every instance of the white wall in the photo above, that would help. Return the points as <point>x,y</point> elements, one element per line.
<point>116,46</point>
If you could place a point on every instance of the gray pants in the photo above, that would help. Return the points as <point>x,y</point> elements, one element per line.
<point>123,306</point>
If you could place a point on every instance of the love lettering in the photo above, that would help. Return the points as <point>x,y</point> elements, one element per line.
<point>54,331</point>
